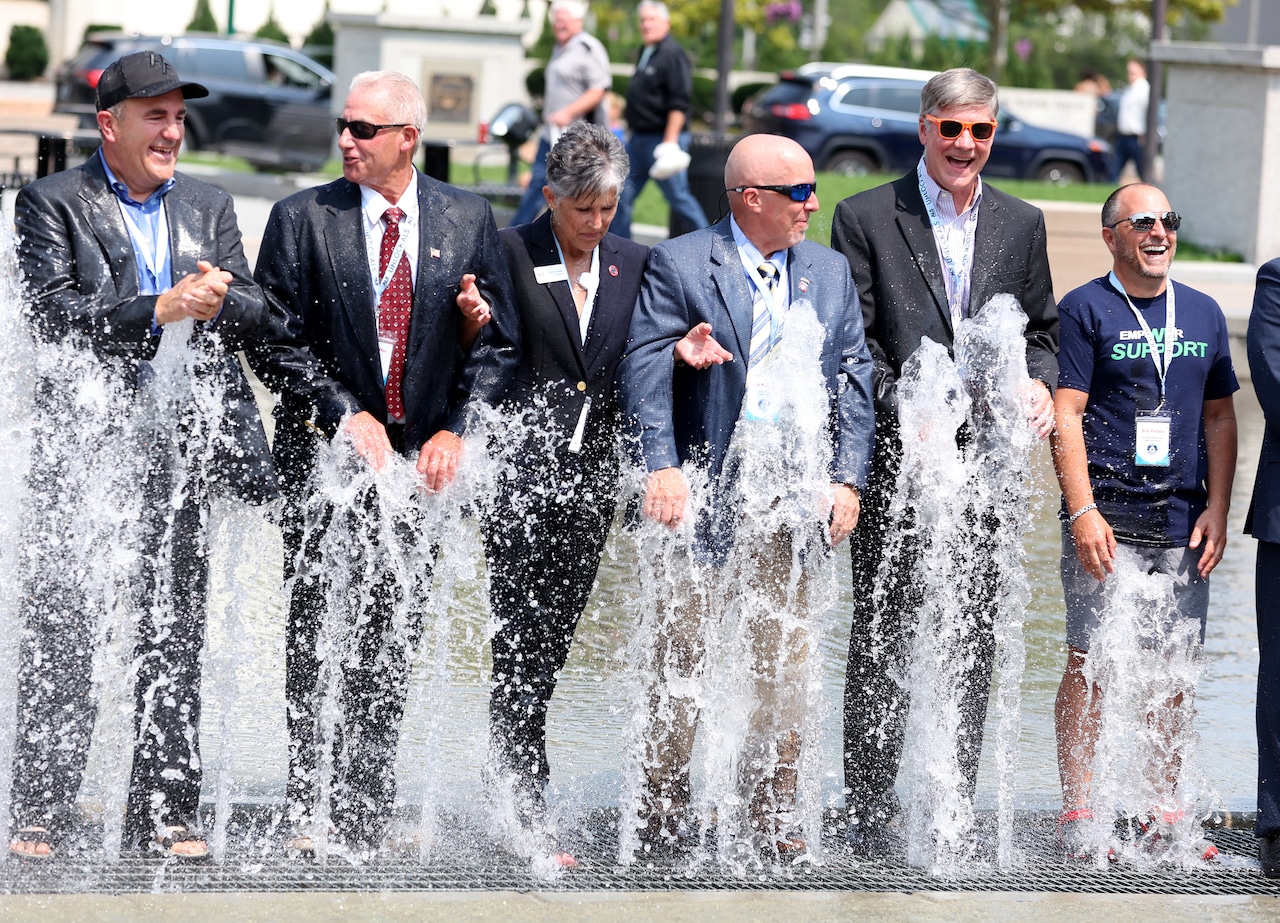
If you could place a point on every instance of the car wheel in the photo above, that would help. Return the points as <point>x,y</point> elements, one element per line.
<point>1060,172</point>
<point>850,163</point>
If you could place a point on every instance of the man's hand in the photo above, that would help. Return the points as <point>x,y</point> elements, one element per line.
<point>369,438</point>
<point>561,118</point>
<point>844,513</point>
<point>1211,529</point>
<point>1039,407</point>
<point>472,304</point>
<point>666,495</point>
<point>699,349</point>
<point>199,295</point>
<point>1095,544</point>
<point>438,461</point>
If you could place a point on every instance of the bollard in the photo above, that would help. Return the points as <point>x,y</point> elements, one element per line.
<point>708,154</point>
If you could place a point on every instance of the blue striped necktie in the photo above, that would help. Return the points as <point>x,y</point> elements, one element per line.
<point>762,335</point>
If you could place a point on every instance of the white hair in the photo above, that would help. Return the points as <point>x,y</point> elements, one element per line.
<point>575,8</point>
<point>401,97</point>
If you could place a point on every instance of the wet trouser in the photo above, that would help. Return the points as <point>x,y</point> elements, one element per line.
<point>1267,581</point>
<point>675,188</point>
<point>543,543</point>
<point>63,625</point>
<point>375,673</point>
<point>880,641</point>
<point>757,587</point>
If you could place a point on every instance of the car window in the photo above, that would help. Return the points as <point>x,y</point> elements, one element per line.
<point>221,64</point>
<point>902,99</point>
<point>286,72</point>
<point>859,94</point>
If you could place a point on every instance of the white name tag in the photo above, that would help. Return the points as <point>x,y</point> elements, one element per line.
<point>553,273</point>
<point>1151,447</point>
<point>386,346</point>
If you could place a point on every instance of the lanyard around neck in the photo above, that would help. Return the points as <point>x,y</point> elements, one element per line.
<point>380,282</point>
<point>1160,359</point>
<point>956,269</point>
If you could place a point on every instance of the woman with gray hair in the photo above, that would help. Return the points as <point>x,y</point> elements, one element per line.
<point>576,285</point>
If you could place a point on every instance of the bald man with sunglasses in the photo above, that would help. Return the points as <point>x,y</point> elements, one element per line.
<point>1145,450</point>
<point>927,251</point>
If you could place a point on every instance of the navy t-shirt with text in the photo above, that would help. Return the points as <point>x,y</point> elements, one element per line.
<point>1104,353</point>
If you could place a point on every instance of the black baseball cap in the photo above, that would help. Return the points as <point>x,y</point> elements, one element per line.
<point>142,75</point>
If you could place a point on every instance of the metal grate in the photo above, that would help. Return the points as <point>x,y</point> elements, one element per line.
<point>255,864</point>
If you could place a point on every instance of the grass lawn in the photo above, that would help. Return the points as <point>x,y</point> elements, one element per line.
<point>651,207</point>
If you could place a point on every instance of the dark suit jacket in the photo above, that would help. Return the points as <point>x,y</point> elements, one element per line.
<point>554,362</point>
<point>886,236</point>
<point>1263,520</point>
<point>322,354</point>
<point>81,272</point>
<point>682,414</point>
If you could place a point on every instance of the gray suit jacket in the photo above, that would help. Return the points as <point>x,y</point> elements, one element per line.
<point>680,414</point>
<point>1263,520</point>
<point>81,272</point>
<point>886,235</point>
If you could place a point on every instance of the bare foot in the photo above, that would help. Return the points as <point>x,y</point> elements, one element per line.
<point>31,843</point>
<point>181,842</point>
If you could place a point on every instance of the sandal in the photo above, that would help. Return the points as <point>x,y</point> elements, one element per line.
<point>34,837</point>
<point>173,835</point>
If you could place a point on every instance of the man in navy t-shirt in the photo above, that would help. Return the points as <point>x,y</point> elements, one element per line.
<point>1145,450</point>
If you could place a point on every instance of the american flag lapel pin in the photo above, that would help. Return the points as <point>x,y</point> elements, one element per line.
<point>435,254</point>
<point>804,285</point>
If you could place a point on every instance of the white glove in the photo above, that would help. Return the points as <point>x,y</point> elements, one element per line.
<point>668,160</point>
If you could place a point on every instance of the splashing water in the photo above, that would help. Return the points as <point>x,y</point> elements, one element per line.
<point>733,646</point>
<point>1146,661</point>
<point>947,493</point>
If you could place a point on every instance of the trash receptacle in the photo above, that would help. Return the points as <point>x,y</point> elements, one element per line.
<point>435,159</point>
<point>707,156</point>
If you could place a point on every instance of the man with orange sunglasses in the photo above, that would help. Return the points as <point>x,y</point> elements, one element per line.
<point>928,251</point>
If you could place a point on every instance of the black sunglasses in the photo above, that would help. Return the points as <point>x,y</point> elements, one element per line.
<point>797,192</point>
<point>952,128</point>
<point>1145,221</point>
<point>363,131</point>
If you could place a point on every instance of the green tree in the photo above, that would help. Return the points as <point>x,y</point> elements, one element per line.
<point>271,29</point>
<point>27,55</point>
<point>202,20</point>
<point>319,41</point>
<point>1183,14</point>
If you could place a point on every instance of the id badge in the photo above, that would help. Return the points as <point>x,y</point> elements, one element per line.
<point>763,402</point>
<point>386,346</point>
<point>1151,445</point>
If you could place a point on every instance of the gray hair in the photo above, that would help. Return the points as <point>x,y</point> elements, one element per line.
<point>959,88</point>
<point>656,5</point>
<point>577,9</point>
<point>401,99</point>
<point>586,162</point>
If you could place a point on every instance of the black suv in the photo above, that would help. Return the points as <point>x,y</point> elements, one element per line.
<point>267,103</point>
<point>854,118</point>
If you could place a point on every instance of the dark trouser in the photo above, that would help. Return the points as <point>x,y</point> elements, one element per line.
<point>1124,149</point>
<point>875,705</point>
<point>676,188</point>
<point>55,692</point>
<point>1267,581</point>
<point>543,543</point>
<point>375,676</point>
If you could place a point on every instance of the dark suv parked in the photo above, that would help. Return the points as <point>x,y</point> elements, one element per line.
<point>855,119</point>
<point>267,103</point>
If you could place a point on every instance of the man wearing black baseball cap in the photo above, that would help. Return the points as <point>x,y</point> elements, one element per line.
<point>142,75</point>
<point>138,272</point>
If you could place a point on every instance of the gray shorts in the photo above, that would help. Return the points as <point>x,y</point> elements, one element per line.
<point>1088,600</point>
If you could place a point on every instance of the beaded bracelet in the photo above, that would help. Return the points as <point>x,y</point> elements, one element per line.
<point>1080,512</point>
